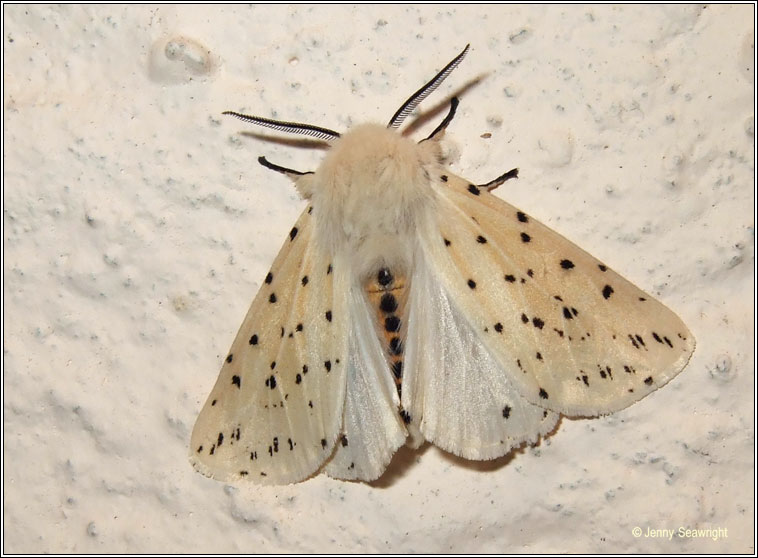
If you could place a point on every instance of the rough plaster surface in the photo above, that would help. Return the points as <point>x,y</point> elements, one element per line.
<point>138,226</point>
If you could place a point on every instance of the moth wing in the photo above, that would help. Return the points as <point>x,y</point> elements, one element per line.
<point>372,429</point>
<point>454,390</point>
<point>275,412</point>
<point>570,334</point>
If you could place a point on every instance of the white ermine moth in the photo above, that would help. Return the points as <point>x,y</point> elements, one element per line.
<point>409,305</point>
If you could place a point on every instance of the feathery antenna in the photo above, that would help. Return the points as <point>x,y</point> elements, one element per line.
<point>424,92</point>
<point>289,127</point>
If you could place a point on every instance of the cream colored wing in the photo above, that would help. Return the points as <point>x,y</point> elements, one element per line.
<point>275,413</point>
<point>569,334</point>
<point>455,391</point>
<point>372,428</point>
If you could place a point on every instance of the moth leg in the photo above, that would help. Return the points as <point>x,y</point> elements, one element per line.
<point>492,184</point>
<point>290,173</point>
<point>448,119</point>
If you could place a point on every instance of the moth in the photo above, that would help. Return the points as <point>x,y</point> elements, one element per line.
<point>408,304</point>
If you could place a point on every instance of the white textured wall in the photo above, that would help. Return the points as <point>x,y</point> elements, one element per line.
<point>138,226</point>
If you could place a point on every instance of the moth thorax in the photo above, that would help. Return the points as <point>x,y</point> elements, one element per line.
<point>371,190</point>
<point>374,177</point>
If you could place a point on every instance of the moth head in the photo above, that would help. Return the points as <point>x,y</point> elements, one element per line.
<point>365,142</point>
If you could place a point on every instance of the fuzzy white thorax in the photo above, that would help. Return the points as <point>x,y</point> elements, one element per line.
<point>369,195</point>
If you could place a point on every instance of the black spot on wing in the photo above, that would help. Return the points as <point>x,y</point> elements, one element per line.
<point>525,237</point>
<point>543,393</point>
<point>471,284</point>
<point>254,339</point>
<point>293,233</point>
<point>274,447</point>
<point>473,189</point>
<point>236,381</point>
<point>269,278</point>
<point>506,411</point>
<point>567,264</point>
<point>510,278</point>
<point>522,217</point>
<point>304,280</point>
<point>607,292</point>
<point>481,240</point>
<point>272,298</point>
<point>569,313</point>
<point>229,358</point>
